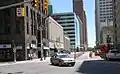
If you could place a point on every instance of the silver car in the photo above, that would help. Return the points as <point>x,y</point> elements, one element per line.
<point>113,54</point>
<point>62,59</point>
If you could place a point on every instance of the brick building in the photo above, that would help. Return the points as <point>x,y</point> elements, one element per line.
<point>79,10</point>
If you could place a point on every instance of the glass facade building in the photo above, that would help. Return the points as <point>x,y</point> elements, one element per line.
<point>70,24</point>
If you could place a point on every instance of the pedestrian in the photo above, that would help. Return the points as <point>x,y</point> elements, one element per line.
<point>90,54</point>
<point>29,56</point>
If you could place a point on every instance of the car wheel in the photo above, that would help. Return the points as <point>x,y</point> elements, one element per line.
<point>52,62</point>
<point>71,65</point>
<point>60,63</point>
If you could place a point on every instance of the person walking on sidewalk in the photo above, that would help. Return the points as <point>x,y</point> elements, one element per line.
<point>90,54</point>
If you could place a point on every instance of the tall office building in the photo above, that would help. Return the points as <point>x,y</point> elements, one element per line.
<point>70,24</point>
<point>103,14</point>
<point>116,22</point>
<point>79,10</point>
<point>50,8</point>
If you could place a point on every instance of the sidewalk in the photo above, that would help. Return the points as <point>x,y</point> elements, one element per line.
<point>26,61</point>
<point>77,54</point>
<point>36,60</point>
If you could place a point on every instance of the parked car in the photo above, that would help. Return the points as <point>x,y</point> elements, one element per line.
<point>62,59</point>
<point>113,54</point>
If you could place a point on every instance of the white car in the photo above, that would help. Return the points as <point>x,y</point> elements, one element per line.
<point>113,54</point>
<point>62,59</point>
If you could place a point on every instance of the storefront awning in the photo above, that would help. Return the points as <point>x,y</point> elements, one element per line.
<point>33,46</point>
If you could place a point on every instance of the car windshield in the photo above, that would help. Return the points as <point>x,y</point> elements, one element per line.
<point>64,56</point>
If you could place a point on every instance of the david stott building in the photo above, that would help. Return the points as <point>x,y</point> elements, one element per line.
<point>55,36</point>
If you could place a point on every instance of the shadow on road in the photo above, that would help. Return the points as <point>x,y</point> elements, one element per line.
<point>61,66</point>
<point>99,67</point>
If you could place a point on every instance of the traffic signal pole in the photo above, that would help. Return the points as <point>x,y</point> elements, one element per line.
<point>13,5</point>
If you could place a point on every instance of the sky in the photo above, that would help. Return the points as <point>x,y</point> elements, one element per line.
<point>66,6</point>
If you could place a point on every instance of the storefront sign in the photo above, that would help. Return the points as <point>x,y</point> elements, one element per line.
<point>19,47</point>
<point>5,45</point>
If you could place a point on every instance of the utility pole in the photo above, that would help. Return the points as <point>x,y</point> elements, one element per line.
<point>41,37</point>
<point>41,43</point>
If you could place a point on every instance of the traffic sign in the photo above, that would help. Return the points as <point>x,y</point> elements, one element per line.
<point>20,12</point>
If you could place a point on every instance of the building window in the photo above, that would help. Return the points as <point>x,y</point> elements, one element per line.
<point>72,36</point>
<point>100,8</point>
<point>102,20</point>
<point>27,11</point>
<point>18,26</point>
<point>32,21</point>
<point>115,26</point>
<point>27,28</point>
<point>70,32</point>
<point>72,40</point>
<point>34,28</point>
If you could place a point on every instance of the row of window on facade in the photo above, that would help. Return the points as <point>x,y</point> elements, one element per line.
<point>105,20</point>
<point>108,5</point>
<point>106,11</point>
<point>103,8</point>
<point>67,25</point>
<point>61,22</point>
<point>106,17</point>
<point>65,18</point>
<point>63,15</point>
<point>104,2</point>
<point>106,14</point>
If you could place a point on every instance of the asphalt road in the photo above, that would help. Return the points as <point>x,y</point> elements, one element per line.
<point>84,65</point>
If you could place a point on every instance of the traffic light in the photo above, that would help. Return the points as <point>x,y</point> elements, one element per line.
<point>46,5</point>
<point>23,11</point>
<point>35,3</point>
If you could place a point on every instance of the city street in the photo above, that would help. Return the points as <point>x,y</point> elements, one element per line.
<point>84,65</point>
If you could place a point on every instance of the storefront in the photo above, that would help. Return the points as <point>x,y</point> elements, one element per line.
<point>7,52</point>
<point>32,52</point>
<point>46,51</point>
